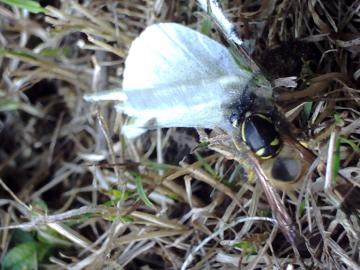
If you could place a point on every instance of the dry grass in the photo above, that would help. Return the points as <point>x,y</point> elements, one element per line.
<point>92,200</point>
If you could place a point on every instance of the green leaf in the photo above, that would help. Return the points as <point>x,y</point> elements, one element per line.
<point>159,166</point>
<point>205,27</point>
<point>240,61</point>
<point>51,238</point>
<point>336,163</point>
<point>51,52</point>
<point>56,52</point>
<point>17,54</point>
<point>206,165</point>
<point>354,147</point>
<point>302,207</point>
<point>338,119</point>
<point>247,247</point>
<point>202,145</point>
<point>141,192</point>
<point>307,110</point>
<point>117,195</point>
<point>29,5</point>
<point>24,256</point>
<point>39,204</point>
<point>8,104</point>
<point>173,196</point>
<point>127,219</point>
<point>20,236</point>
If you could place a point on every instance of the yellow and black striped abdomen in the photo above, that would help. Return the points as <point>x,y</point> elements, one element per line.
<point>259,133</point>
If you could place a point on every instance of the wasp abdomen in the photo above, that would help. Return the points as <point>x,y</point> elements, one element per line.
<point>259,133</point>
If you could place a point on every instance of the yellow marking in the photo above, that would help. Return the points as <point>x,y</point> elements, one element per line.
<point>260,152</point>
<point>275,142</point>
<point>243,131</point>
<point>264,117</point>
<point>267,157</point>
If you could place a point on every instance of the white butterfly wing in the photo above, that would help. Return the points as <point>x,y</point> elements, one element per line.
<point>203,104</point>
<point>168,52</point>
<point>177,77</point>
<point>180,78</point>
